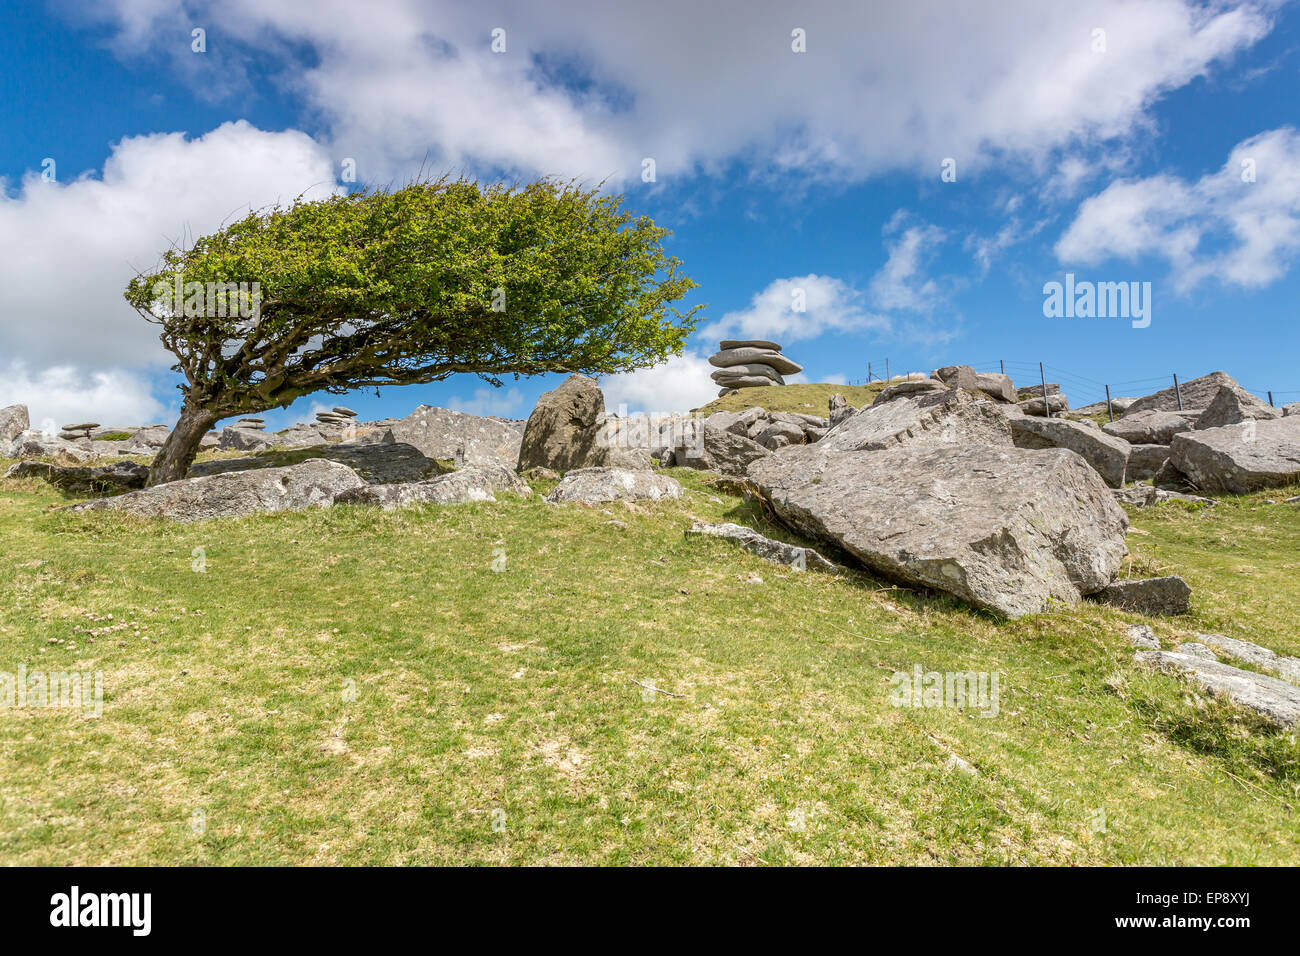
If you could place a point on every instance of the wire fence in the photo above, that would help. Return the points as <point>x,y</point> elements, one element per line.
<point>1081,390</point>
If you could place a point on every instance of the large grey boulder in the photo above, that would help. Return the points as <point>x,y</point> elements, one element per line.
<point>1152,427</point>
<point>1153,596</point>
<point>468,484</point>
<point>778,552</point>
<point>1196,394</point>
<point>312,483</point>
<point>1003,528</point>
<point>997,386</point>
<point>738,423</point>
<point>779,434</point>
<point>1275,700</point>
<point>1145,461</point>
<point>1238,459</point>
<point>746,355</point>
<point>111,479</point>
<point>715,449</point>
<point>957,376</point>
<point>563,431</point>
<point>14,420</point>
<point>1055,405</point>
<point>1229,407</point>
<point>1107,454</point>
<point>590,486</point>
<point>457,437</point>
<point>243,438</point>
<point>947,417</point>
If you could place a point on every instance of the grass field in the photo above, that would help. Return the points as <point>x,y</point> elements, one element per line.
<point>520,683</point>
<point>809,399</point>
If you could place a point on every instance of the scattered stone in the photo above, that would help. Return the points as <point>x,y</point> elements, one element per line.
<point>312,483</point>
<point>242,438</point>
<point>1193,649</point>
<point>997,386</point>
<point>34,444</point>
<point>1142,496</point>
<point>540,473</point>
<point>1238,459</point>
<point>957,376</point>
<point>83,427</point>
<point>1055,405</point>
<point>102,480</point>
<point>1275,700</point>
<point>779,434</point>
<point>738,423</point>
<point>1107,454</point>
<point>776,551</point>
<point>589,486</point>
<point>471,483</point>
<point>1154,597</point>
<point>1141,635</point>
<point>1002,528</point>
<point>1287,667</point>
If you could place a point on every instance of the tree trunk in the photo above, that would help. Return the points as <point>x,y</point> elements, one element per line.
<point>177,453</point>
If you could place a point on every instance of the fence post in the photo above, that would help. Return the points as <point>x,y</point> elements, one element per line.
<point>886,370</point>
<point>1178,394</point>
<point>1042,377</point>
<point>1270,400</point>
<point>1002,364</point>
<point>1109,411</point>
<point>868,373</point>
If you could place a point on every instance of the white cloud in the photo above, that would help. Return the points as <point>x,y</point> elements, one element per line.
<point>901,282</point>
<point>829,304</point>
<point>64,395</point>
<point>580,91</point>
<point>71,248</point>
<point>1220,227</point>
<point>504,403</point>
<point>677,385</point>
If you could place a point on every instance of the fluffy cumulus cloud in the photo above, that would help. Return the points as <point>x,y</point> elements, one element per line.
<point>66,395</point>
<point>1239,225</point>
<point>71,247</point>
<point>502,402</point>
<point>581,89</point>
<point>799,307</point>
<point>677,385</point>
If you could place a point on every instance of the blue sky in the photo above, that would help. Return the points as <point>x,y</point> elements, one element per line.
<point>1103,139</point>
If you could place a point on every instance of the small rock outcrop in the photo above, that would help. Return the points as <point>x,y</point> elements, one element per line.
<point>1196,394</point>
<point>590,486</point>
<point>1152,596</point>
<point>1107,454</point>
<point>1239,459</point>
<point>463,439</point>
<point>1277,701</point>
<point>312,483</point>
<point>777,552</point>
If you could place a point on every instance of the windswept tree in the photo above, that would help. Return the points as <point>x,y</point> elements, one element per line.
<point>397,287</point>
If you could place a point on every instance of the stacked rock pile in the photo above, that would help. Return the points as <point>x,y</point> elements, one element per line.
<point>337,417</point>
<point>257,424</point>
<point>750,363</point>
<point>78,432</point>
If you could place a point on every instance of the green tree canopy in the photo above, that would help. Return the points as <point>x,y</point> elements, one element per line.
<point>394,287</point>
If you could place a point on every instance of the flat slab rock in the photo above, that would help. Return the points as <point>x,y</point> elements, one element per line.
<point>946,417</point>
<point>1007,529</point>
<point>85,480</point>
<point>311,484</point>
<point>1239,459</point>
<point>376,462</point>
<point>590,486</point>
<point>1153,596</point>
<point>777,552</point>
<point>1151,427</point>
<point>468,484</point>
<point>1275,700</point>
<point>1287,667</point>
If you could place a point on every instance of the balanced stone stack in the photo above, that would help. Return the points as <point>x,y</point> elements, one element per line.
<point>257,424</point>
<point>78,432</point>
<point>750,363</point>
<point>338,417</point>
